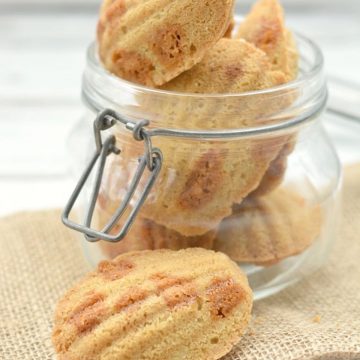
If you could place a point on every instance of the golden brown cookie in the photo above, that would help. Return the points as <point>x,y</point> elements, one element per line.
<point>201,179</point>
<point>268,229</point>
<point>151,42</point>
<point>276,171</point>
<point>147,235</point>
<point>265,27</point>
<point>229,30</point>
<point>135,240</point>
<point>231,66</point>
<point>155,305</point>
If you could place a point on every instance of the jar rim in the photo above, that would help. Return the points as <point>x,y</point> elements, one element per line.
<point>95,64</point>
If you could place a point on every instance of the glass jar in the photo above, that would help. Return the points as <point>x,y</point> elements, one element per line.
<point>252,174</point>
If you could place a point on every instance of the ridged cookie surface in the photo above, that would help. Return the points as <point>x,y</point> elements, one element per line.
<point>201,179</point>
<point>231,66</point>
<point>150,42</point>
<point>217,173</point>
<point>276,171</point>
<point>147,235</point>
<point>265,27</point>
<point>156,305</point>
<point>266,230</point>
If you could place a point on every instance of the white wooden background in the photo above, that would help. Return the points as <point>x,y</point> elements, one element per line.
<point>42,54</point>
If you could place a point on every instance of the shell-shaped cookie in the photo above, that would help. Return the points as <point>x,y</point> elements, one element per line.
<point>200,180</point>
<point>219,173</point>
<point>147,235</point>
<point>206,185</point>
<point>231,66</point>
<point>265,27</point>
<point>276,171</point>
<point>266,230</point>
<point>155,305</point>
<point>151,42</point>
<point>198,183</point>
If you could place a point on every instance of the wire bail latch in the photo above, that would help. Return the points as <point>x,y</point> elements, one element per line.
<point>152,159</point>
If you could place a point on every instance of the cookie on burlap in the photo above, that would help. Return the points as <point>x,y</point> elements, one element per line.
<point>147,235</point>
<point>162,304</point>
<point>201,179</point>
<point>151,42</point>
<point>265,230</point>
<point>265,27</point>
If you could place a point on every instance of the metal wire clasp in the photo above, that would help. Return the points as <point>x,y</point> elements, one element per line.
<point>152,159</point>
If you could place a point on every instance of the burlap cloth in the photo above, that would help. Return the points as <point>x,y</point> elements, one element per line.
<point>318,318</point>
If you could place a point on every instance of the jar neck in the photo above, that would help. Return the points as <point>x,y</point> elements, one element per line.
<point>285,106</point>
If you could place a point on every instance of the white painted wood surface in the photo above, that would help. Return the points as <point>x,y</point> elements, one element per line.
<point>42,55</point>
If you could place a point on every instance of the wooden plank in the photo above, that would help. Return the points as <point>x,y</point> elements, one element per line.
<point>33,139</point>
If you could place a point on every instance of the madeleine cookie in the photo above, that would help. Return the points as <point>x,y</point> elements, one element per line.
<point>135,240</point>
<point>155,305</point>
<point>276,171</point>
<point>231,66</point>
<point>147,235</point>
<point>265,27</point>
<point>197,185</point>
<point>200,180</point>
<point>265,230</point>
<point>151,42</point>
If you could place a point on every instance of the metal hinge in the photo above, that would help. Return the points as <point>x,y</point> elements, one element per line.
<point>152,159</point>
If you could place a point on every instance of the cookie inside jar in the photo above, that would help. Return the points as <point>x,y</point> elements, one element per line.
<point>235,118</point>
<point>202,180</point>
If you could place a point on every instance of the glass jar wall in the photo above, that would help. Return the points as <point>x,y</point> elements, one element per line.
<point>252,175</point>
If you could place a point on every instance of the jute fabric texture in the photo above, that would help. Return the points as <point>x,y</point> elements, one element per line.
<point>318,318</point>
